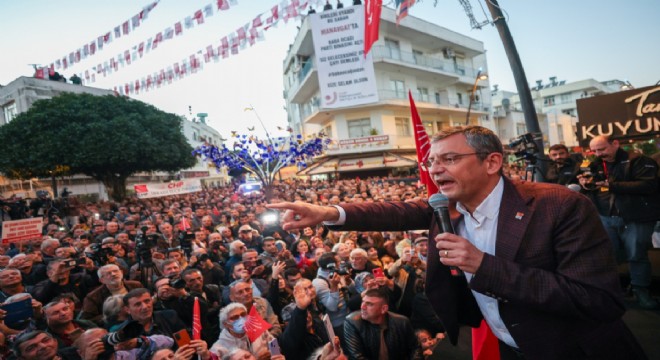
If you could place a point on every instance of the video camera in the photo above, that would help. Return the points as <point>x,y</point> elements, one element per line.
<point>525,148</point>
<point>185,239</point>
<point>100,254</point>
<point>585,171</point>
<point>143,244</point>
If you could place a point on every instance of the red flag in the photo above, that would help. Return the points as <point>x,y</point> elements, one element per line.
<point>216,212</point>
<point>423,146</point>
<point>223,5</point>
<point>197,322</point>
<point>184,224</point>
<point>255,325</point>
<point>371,23</point>
<point>39,73</point>
<point>484,344</point>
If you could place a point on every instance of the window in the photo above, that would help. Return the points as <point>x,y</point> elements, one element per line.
<point>402,126</point>
<point>393,47</point>
<point>418,56</point>
<point>398,87</point>
<point>549,100</point>
<point>560,133</point>
<point>521,129</point>
<point>460,98</point>
<point>437,98</point>
<point>10,112</point>
<point>328,131</point>
<point>423,94</point>
<point>359,128</point>
<point>565,98</point>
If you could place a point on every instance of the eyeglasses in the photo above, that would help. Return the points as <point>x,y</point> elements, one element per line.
<point>237,316</point>
<point>448,159</point>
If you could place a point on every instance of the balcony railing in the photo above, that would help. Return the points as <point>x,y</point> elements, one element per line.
<point>384,52</point>
<point>386,94</point>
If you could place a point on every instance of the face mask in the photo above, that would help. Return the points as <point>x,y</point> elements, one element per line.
<point>239,325</point>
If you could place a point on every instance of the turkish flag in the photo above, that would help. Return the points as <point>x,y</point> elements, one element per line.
<point>371,23</point>
<point>484,343</point>
<point>184,224</point>
<point>255,325</point>
<point>197,321</point>
<point>423,146</point>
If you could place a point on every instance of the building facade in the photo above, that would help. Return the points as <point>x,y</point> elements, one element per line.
<point>556,107</point>
<point>437,65</point>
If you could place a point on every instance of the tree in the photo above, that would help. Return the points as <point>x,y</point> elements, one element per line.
<point>264,158</point>
<point>105,137</point>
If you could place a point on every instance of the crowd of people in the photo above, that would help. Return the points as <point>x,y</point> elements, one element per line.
<point>122,279</point>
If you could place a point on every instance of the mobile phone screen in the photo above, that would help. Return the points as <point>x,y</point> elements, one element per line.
<point>378,273</point>
<point>274,347</point>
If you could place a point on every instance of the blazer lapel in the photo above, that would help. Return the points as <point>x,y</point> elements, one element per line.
<point>512,222</point>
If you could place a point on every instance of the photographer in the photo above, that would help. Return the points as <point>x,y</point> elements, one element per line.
<point>61,281</point>
<point>331,284</point>
<point>624,188</point>
<point>212,272</point>
<point>564,168</point>
<point>98,344</point>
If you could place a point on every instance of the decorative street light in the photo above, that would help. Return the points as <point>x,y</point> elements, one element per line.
<point>480,76</point>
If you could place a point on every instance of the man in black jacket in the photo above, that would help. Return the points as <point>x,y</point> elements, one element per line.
<point>376,333</point>
<point>624,188</point>
<point>564,168</point>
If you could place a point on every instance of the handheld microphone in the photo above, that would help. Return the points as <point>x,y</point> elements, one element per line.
<point>440,205</point>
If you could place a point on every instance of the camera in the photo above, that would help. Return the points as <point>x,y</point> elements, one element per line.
<point>343,269</point>
<point>127,331</point>
<point>177,283</point>
<point>524,146</point>
<point>100,254</point>
<point>143,245</point>
<point>185,239</point>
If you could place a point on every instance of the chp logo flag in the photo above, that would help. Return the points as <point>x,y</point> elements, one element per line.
<point>255,325</point>
<point>197,322</point>
<point>423,147</point>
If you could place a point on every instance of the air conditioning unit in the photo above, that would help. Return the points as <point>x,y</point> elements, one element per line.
<point>449,53</point>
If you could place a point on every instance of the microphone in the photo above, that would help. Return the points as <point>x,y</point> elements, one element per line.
<point>440,204</point>
<point>574,187</point>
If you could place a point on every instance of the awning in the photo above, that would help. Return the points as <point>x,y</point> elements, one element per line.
<point>323,167</point>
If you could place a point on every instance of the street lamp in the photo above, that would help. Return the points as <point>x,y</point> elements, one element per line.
<point>480,76</point>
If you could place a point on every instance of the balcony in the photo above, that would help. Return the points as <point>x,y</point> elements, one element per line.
<point>369,144</point>
<point>426,100</point>
<point>435,64</point>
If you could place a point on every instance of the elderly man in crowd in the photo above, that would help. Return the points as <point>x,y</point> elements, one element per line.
<point>112,283</point>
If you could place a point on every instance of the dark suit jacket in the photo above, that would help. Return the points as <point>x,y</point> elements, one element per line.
<point>554,272</point>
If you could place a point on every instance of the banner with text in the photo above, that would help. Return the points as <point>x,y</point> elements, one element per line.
<point>346,76</point>
<point>24,229</point>
<point>144,191</point>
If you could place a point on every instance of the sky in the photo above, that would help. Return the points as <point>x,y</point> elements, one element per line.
<point>572,40</point>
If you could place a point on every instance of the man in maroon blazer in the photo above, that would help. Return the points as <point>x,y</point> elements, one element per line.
<point>538,264</point>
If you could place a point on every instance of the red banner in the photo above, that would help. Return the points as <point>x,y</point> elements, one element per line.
<point>371,23</point>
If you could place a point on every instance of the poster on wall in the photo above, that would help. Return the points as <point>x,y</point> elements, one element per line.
<point>346,76</point>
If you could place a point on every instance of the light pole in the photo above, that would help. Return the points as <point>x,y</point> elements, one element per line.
<point>480,76</point>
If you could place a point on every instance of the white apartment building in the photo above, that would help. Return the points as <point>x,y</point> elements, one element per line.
<point>376,139</point>
<point>556,108</point>
<point>19,95</point>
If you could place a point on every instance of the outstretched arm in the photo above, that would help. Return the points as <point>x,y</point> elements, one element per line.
<point>299,215</point>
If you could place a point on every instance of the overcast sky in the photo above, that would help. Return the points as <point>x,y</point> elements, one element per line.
<point>572,40</point>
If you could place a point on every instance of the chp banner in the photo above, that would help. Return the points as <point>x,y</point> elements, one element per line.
<point>346,76</point>
<point>24,229</point>
<point>144,191</point>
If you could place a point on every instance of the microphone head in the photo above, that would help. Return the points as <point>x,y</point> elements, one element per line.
<point>574,187</point>
<point>438,201</point>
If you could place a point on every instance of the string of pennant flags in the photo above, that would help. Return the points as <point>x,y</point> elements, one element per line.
<point>96,45</point>
<point>248,34</point>
<point>136,52</point>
